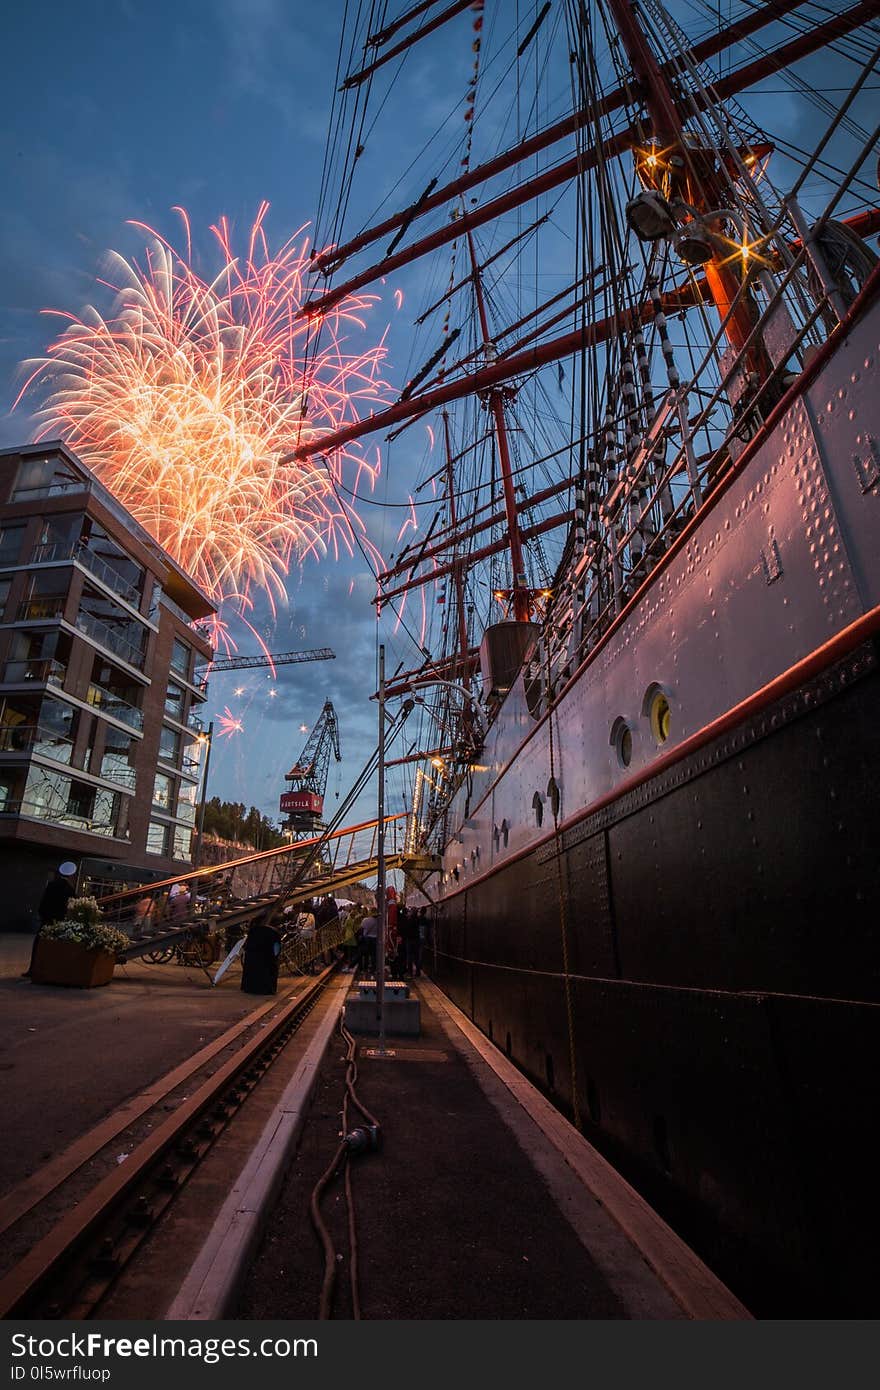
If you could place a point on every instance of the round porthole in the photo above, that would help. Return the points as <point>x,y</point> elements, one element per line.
<point>622,741</point>
<point>661,716</point>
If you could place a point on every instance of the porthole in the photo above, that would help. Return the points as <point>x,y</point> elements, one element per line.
<point>656,708</point>
<point>622,741</point>
<point>661,717</point>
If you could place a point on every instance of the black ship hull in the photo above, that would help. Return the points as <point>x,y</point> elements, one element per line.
<point>711,983</point>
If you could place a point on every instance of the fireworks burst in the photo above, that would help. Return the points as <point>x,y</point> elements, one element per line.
<point>186,396</point>
<point>229,724</point>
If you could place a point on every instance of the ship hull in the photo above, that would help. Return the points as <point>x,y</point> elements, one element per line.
<point>721,1005</point>
<point>686,954</point>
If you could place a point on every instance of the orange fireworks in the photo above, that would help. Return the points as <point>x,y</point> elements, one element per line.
<point>188,394</point>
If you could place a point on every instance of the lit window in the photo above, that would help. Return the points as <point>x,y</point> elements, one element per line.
<point>661,717</point>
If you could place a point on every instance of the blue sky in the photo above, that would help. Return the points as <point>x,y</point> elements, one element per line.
<point>117,110</point>
<point>120,109</point>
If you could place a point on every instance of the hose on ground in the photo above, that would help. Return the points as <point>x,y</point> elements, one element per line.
<point>342,1158</point>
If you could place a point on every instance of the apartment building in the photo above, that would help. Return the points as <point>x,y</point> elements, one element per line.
<point>99,697</point>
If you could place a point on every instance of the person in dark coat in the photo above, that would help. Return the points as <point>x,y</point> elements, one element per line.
<point>262,948</point>
<point>412,943</point>
<point>53,904</point>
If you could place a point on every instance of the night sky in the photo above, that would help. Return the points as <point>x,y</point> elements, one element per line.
<point>121,109</point>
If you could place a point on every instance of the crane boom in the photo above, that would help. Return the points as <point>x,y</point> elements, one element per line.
<point>303,803</point>
<point>248,663</point>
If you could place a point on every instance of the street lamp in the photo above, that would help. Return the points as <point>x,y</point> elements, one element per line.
<point>206,740</point>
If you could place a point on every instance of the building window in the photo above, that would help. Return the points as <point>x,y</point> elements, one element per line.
<point>11,534</point>
<point>153,607</point>
<point>174,702</point>
<point>181,658</point>
<point>45,477</point>
<point>116,764</point>
<point>157,838</point>
<point>186,804</point>
<point>110,563</point>
<point>162,791</point>
<point>7,792</point>
<point>57,536</point>
<point>46,596</point>
<point>182,842</point>
<point>111,626</point>
<point>169,745</point>
<point>5,586</point>
<point>56,730</point>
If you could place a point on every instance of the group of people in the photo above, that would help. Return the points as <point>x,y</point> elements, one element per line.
<point>406,931</point>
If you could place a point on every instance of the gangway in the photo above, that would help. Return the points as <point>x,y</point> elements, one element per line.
<point>235,893</point>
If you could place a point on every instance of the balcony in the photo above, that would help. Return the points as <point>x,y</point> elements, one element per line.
<point>36,609</point>
<point>56,489</point>
<point>35,811</point>
<point>119,772</point>
<point>83,555</point>
<point>30,738</point>
<point>113,705</point>
<point>111,639</point>
<point>39,670</point>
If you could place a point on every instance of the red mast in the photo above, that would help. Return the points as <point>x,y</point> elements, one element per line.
<point>703,189</point>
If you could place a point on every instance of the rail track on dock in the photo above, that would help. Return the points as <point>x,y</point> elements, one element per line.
<point>68,1271</point>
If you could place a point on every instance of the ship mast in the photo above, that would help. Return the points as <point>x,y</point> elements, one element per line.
<point>677,157</point>
<point>519,594</point>
<point>457,578</point>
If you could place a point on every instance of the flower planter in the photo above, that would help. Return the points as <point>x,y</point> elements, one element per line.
<point>69,963</point>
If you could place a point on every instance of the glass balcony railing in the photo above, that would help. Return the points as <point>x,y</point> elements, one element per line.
<point>31,738</point>
<point>118,772</point>
<point>110,638</point>
<point>85,556</point>
<point>39,670</point>
<point>35,609</point>
<point>56,489</point>
<point>37,811</point>
<point>115,706</point>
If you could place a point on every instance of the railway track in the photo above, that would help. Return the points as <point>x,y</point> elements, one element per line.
<point>70,1270</point>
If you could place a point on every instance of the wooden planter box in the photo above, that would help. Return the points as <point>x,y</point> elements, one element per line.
<point>68,963</point>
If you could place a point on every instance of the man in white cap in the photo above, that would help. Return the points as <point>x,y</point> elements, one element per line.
<point>53,904</point>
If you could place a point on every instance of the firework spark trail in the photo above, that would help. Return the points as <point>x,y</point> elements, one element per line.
<point>229,724</point>
<point>186,396</point>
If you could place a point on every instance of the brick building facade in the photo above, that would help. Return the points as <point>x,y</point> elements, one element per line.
<point>99,696</point>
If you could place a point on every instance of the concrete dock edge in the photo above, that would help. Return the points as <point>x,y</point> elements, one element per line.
<point>209,1289</point>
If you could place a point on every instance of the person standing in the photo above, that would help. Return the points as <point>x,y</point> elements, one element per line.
<point>412,943</point>
<point>369,938</point>
<point>261,951</point>
<point>392,936</point>
<point>178,902</point>
<point>53,904</point>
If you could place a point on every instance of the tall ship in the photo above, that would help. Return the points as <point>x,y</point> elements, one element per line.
<point>640,567</point>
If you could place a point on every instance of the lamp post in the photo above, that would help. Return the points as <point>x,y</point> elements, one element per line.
<point>380,864</point>
<point>206,739</point>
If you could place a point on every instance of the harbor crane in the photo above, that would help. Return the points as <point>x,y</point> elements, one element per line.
<point>250,663</point>
<point>303,803</point>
